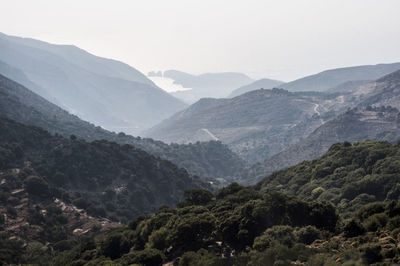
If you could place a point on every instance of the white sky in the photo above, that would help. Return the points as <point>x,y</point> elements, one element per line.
<point>282,39</point>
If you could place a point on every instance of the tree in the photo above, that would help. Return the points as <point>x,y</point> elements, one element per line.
<point>36,185</point>
<point>198,196</point>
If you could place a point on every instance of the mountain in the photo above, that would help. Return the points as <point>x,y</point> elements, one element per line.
<point>215,85</point>
<point>209,160</point>
<point>386,92</point>
<point>82,173</point>
<point>346,211</point>
<point>103,91</point>
<point>348,86</point>
<point>352,126</point>
<point>334,77</point>
<point>255,125</point>
<point>259,84</point>
<point>376,116</point>
<point>347,175</point>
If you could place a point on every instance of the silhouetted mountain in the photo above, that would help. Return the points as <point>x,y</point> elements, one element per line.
<point>106,92</point>
<point>212,159</point>
<point>259,84</point>
<point>256,125</point>
<point>215,85</point>
<point>334,77</point>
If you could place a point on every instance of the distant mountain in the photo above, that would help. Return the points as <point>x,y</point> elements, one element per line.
<point>352,126</point>
<point>259,84</point>
<point>209,160</point>
<point>377,117</point>
<point>334,77</point>
<point>215,85</point>
<point>104,91</point>
<point>386,92</point>
<point>348,86</point>
<point>256,125</point>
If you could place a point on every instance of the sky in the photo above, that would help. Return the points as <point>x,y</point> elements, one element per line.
<point>284,39</point>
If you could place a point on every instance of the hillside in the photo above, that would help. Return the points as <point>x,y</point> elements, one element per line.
<point>102,91</point>
<point>334,77</point>
<point>386,92</point>
<point>346,212</point>
<point>348,86</point>
<point>348,175</point>
<point>255,125</point>
<point>354,125</point>
<point>377,117</point>
<point>103,178</point>
<point>215,85</point>
<point>256,85</point>
<point>209,160</point>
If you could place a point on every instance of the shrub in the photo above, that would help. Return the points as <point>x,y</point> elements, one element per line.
<point>353,228</point>
<point>148,257</point>
<point>308,234</point>
<point>36,185</point>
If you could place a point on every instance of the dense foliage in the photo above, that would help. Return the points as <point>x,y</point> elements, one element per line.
<point>340,208</point>
<point>237,226</point>
<point>227,227</point>
<point>102,177</point>
<point>348,175</point>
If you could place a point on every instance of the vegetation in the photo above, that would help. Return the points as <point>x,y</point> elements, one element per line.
<point>208,160</point>
<point>348,175</point>
<point>103,178</point>
<point>55,192</point>
<point>236,226</point>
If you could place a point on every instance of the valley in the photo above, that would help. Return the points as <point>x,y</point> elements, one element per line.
<point>260,144</point>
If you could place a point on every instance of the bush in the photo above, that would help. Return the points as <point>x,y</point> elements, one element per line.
<point>308,234</point>
<point>115,245</point>
<point>353,228</point>
<point>281,234</point>
<point>36,185</point>
<point>148,257</point>
<point>375,222</point>
<point>198,196</point>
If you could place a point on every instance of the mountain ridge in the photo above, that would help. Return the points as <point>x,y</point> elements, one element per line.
<point>333,77</point>
<point>208,160</point>
<point>78,85</point>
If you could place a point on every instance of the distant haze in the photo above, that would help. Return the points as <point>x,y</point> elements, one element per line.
<point>282,40</point>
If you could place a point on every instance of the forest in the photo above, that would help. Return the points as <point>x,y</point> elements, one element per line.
<point>341,207</point>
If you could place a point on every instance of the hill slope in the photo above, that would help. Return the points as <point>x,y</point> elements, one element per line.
<point>256,125</point>
<point>354,125</point>
<point>83,172</point>
<point>348,175</point>
<point>99,90</point>
<point>377,117</point>
<point>254,225</point>
<point>207,160</point>
<point>256,85</point>
<point>334,77</point>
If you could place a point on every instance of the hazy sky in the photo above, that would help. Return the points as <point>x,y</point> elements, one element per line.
<point>278,39</point>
